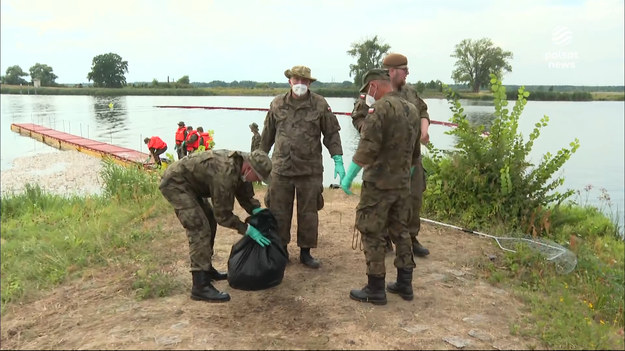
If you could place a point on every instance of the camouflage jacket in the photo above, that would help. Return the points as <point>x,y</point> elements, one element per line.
<point>255,142</point>
<point>294,128</point>
<point>215,174</point>
<point>389,142</point>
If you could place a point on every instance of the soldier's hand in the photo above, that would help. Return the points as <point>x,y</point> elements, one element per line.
<point>257,236</point>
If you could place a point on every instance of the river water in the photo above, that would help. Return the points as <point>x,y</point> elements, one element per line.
<point>598,164</point>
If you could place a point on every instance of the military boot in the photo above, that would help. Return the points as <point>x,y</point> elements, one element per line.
<point>403,285</point>
<point>205,291</point>
<point>307,259</point>
<point>372,292</point>
<point>418,249</point>
<point>216,275</point>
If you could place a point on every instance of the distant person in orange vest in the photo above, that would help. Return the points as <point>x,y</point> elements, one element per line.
<point>157,147</point>
<point>192,141</point>
<point>205,138</point>
<point>255,136</point>
<point>181,136</point>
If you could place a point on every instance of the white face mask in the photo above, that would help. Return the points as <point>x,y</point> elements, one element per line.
<point>299,89</point>
<point>369,99</point>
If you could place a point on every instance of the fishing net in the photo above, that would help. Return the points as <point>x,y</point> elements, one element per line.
<point>563,259</point>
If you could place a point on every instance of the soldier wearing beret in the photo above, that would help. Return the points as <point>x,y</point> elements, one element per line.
<point>397,65</point>
<point>388,147</point>
<point>294,125</point>
<point>221,175</point>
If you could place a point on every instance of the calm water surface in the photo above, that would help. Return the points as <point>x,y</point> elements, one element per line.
<point>599,126</point>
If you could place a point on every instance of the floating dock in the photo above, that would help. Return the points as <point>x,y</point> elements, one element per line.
<point>66,141</point>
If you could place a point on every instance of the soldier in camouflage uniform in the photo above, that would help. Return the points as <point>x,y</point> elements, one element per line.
<point>397,66</point>
<point>221,175</point>
<point>387,149</point>
<point>255,136</point>
<point>293,126</point>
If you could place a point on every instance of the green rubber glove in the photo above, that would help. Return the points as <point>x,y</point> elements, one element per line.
<point>338,167</point>
<point>352,172</point>
<point>258,209</point>
<point>257,236</point>
<point>411,171</point>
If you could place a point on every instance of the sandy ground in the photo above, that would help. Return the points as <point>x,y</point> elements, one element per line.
<point>454,308</point>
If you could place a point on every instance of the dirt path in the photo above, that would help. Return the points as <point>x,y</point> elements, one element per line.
<point>311,309</point>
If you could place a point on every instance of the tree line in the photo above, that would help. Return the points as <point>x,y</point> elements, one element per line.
<point>475,61</point>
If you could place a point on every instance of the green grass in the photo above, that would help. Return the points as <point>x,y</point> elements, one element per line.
<point>48,239</point>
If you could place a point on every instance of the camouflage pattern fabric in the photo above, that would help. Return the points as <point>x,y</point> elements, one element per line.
<point>280,200</point>
<point>389,142</point>
<point>359,112</point>
<point>215,174</point>
<point>294,128</point>
<point>378,211</point>
<point>255,142</point>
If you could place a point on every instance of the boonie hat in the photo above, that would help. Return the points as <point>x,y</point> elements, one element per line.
<point>374,74</point>
<point>254,125</point>
<point>299,71</point>
<point>395,61</point>
<point>181,123</point>
<point>261,164</point>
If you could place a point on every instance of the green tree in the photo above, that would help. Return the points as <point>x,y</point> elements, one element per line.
<point>184,80</point>
<point>44,74</point>
<point>478,59</point>
<point>107,70</point>
<point>368,55</point>
<point>14,76</point>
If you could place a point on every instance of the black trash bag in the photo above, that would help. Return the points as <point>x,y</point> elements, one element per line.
<point>253,267</point>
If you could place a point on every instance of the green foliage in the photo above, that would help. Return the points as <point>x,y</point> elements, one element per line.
<point>486,179</point>
<point>183,81</point>
<point>14,76</point>
<point>107,70</point>
<point>149,283</point>
<point>44,74</point>
<point>368,55</point>
<point>47,239</point>
<point>127,182</point>
<point>476,60</point>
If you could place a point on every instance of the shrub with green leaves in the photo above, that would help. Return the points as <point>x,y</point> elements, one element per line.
<point>487,178</point>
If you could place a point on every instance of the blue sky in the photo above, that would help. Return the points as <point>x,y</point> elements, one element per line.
<point>553,42</point>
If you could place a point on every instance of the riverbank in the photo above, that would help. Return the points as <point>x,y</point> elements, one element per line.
<point>340,91</point>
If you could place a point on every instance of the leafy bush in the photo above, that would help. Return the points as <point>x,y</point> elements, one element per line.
<point>486,180</point>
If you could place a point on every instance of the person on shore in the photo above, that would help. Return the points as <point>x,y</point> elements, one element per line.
<point>397,65</point>
<point>255,136</point>
<point>387,148</point>
<point>222,176</point>
<point>157,147</point>
<point>205,138</point>
<point>192,141</point>
<point>294,125</point>
<point>181,136</point>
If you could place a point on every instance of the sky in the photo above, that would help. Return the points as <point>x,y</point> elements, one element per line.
<point>553,42</point>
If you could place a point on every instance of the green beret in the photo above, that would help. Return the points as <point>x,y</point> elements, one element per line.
<point>374,74</point>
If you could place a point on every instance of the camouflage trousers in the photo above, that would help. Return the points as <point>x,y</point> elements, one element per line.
<point>417,187</point>
<point>382,212</point>
<point>281,198</point>
<point>196,216</point>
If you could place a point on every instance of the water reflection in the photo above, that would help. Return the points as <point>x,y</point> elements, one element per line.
<point>110,115</point>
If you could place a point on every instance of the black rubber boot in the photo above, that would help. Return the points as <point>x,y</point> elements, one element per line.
<point>373,292</point>
<point>286,249</point>
<point>403,285</point>
<point>205,291</point>
<point>389,244</point>
<point>307,259</point>
<point>418,249</point>
<point>216,275</point>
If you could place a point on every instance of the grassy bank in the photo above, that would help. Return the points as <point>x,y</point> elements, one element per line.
<point>268,91</point>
